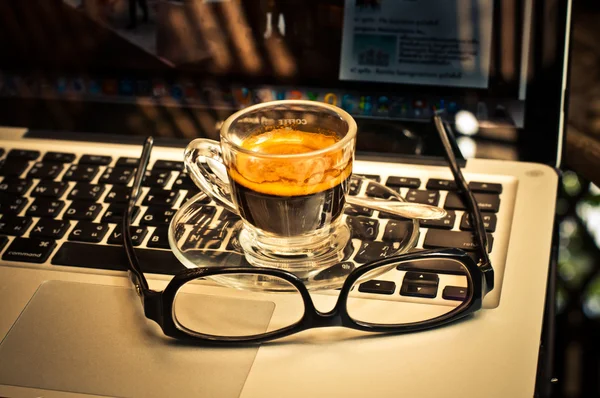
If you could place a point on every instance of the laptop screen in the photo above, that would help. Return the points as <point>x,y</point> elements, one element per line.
<point>178,68</point>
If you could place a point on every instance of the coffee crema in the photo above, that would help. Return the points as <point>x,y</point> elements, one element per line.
<point>294,176</point>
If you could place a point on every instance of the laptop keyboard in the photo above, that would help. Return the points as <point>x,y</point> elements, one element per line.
<point>65,209</point>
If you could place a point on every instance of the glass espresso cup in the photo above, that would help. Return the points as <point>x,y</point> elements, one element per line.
<point>284,167</point>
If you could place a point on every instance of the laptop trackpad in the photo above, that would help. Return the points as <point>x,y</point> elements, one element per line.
<point>95,339</point>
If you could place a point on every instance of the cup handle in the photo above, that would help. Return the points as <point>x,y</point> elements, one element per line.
<point>204,164</point>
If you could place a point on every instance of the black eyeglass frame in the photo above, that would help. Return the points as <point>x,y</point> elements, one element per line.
<point>158,306</point>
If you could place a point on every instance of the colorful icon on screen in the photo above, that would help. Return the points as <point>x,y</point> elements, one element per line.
<point>177,92</point>
<point>242,96</point>
<point>94,87</point>
<point>383,105</point>
<point>279,94</point>
<point>78,85</point>
<point>312,95</point>
<point>349,103</point>
<point>126,87</point>
<point>330,98</point>
<point>62,85</point>
<point>365,105</point>
<point>295,95</point>
<point>262,95</point>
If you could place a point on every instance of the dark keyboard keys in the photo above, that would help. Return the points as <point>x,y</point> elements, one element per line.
<point>397,231</point>
<point>98,160</point>
<point>156,178</point>
<point>486,202</point>
<point>377,287</point>
<point>49,189</point>
<point>403,182</point>
<point>13,168</point>
<point>485,187</point>
<point>29,250</point>
<point>3,239</point>
<point>418,290</point>
<point>444,223</point>
<point>45,207</point>
<point>82,211</point>
<point>157,216</point>
<point>363,228</point>
<point>13,225</point>
<point>86,191</point>
<point>370,251</point>
<point>355,185</point>
<point>438,184</point>
<point>427,278</point>
<point>456,293</point>
<point>45,171</point>
<point>23,154</point>
<point>137,235</point>
<point>114,213</point>
<point>489,222</point>
<point>114,258</point>
<point>127,162</point>
<point>59,157</point>
<point>424,197</point>
<point>183,181</point>
<point>370,177</point>
<point>49,228</point>
<point>15,186</point>
<point>168,165</point>
<point>81,172</point>
<point>353,210</point>
<point>377,191</point>
<point>437,238</point>
<point>118,194</point>
<point>160,197</point>
<point>11,204</point>
<point>88,232</point>
<point>159,238</point>
<point>117,175</point>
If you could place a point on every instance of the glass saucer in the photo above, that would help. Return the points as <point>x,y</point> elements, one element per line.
<point>201,237</point>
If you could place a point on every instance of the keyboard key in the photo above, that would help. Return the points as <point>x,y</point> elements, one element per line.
<point>45,171</point>
<point>376,191</point>
<point>13,225</point>
<point>363,228</point>
<point>98,160</point>
<point>397,231</point>
<point>377,287</point>
<point>86,191</point>
<point>159,238</point>
<point>424,197</point>
<point>336,271</point>
<point>438,184</point>
<point>353,210</point>
<point>82,211</point>
<point>156,178</point>
<point>355,185</point>
<point>157,216</point>
<point>489,222</point>
<point>454,293</point>
<point>127,162</point>
<point>23,154</point>
<point>114,213</point>
<point>117,175</point>
<point>384,214</point>
<point>49,228</point>
<point>370,251</point>
<point>403,182</point>
<point>486,202</point>
<point>370,177</point>
<point>29,250</point>
<point>15,186</point>
<point>45,207</point>
<point>12,204</point>
<point>204,199</point>
<point>118,194</point>
<point>437,238</point>
<point>160,197</point>
<point>88,232</point>
<point>49,189</point>
<point>426,278</point>
<point>114,258</point>
<point>13,168</point>
<point>204,238</point>
<point>444,223</point>
<point>137,235</point>
<point>3,239</point>
<point>485,187</point>
<point>59,157</point>
<point>183,181</point>
<point>168,165</point>
<point>81,172</point>
<point>417,290</point>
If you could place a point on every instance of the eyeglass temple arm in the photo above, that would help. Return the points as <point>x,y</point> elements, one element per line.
<point>480,233</point>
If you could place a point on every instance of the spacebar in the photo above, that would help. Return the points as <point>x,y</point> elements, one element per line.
<point>113,258</point>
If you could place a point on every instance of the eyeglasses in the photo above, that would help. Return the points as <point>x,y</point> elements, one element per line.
<point>226,315</point>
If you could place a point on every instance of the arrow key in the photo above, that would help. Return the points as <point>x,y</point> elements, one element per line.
<point>417,290</point>
<point>456,293</point>
<point>377,286</point>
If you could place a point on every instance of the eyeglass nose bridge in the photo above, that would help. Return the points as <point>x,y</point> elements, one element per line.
<point>320,319</point>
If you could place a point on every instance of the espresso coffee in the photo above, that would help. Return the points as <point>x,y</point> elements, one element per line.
<point>290,196</point>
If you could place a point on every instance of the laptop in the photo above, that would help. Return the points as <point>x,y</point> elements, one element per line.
<point>81,84</point>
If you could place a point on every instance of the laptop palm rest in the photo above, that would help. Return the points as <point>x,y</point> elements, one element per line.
<point>94,339</point>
